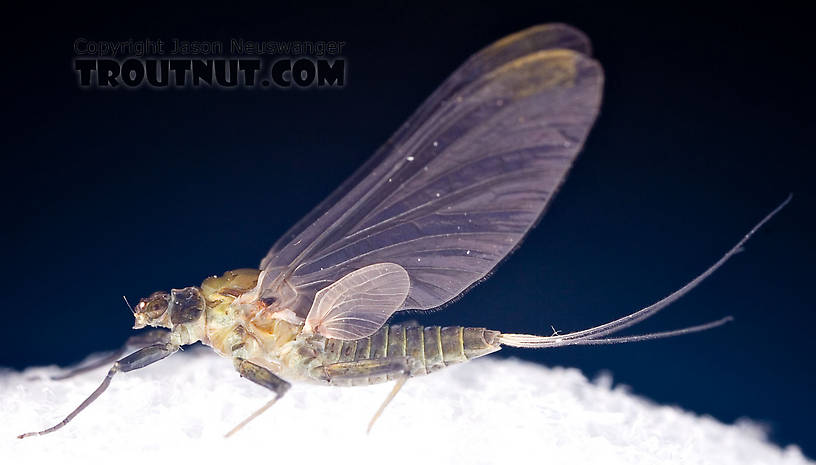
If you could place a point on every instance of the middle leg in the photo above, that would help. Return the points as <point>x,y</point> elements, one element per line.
<point>262,377</point>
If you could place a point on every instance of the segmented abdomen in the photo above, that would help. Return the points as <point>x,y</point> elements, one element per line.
<point>427,349</point>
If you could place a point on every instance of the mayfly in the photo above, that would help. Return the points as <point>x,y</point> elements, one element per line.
<point>430,215</point>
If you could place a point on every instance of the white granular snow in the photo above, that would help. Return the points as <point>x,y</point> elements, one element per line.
<point>490,411</point>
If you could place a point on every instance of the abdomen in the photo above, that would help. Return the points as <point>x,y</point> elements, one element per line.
<point>428,349</point>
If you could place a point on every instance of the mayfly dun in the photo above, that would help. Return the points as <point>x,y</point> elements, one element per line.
<point>431,214</point>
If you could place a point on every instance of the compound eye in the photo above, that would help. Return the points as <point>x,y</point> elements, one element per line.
<point>154,306</point>
<point>187,305</point>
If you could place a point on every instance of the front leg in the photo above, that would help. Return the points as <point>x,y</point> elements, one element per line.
<point>262,377</point>
<point>140,340</point>
<point>139,359</point>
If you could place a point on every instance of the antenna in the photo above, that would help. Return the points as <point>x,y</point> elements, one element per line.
<point>129,306</point>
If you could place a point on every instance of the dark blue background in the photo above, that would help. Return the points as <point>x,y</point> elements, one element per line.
<point>706,125</point>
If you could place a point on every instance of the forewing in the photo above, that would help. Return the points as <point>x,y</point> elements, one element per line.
<point>457,191</point>
<point>532,39</point>
<point>358,304</point>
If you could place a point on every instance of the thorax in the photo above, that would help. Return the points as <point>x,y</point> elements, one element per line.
<point>233,329</point>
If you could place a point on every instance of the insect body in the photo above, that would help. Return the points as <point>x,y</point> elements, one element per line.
<point>432,213</point>
<point>289,352</point>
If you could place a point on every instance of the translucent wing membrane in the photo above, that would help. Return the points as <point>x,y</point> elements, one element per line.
<point>533,39</point>
<point>458,187</point>
<point>358,304</point>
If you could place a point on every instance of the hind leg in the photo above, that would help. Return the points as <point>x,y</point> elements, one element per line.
<point>347,371</point>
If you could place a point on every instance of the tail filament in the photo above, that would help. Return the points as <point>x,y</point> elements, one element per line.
<point>595,336</point>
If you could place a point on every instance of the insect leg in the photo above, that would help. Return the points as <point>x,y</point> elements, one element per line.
<point>139,359</point>
<point>263,377</point>
<point>397,386</point>
<point>370,368</point>
<point>140,340</point>
<point>342,371</point>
